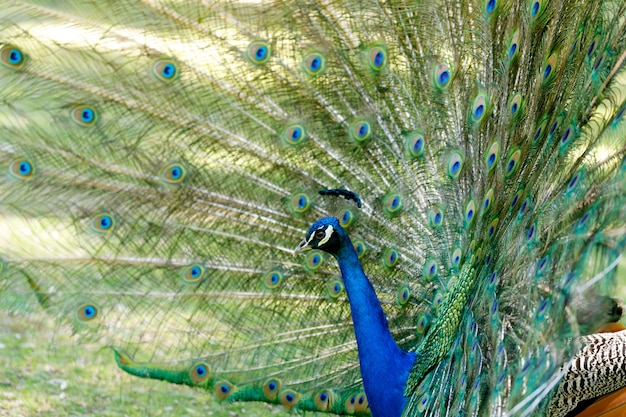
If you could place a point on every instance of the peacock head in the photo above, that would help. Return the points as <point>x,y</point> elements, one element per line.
<point>325,234</point>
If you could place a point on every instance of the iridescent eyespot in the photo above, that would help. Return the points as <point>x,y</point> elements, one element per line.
<point>469,212</point>
<point>350,403</point>
<point>361,403</point>
<point>346,219</point>
<point>392,204</point>
<point>293,134</point>
<point>199,373</point>
<point>174,173</point>
<point>429,270</point>
<point>289,399</point>
<point>442,76</point>
<point>437,300</point>
<point>313,260</point>
<point>543,264</point>
<point>513,47</point>
<point>21,169</point>
<point>492,156</point>
<point>592,45</point>
<point>490,7</point>
<point>12,57</point>
<point>491,229</point>
<point>334,288</point>
<point>314,63</point>
<point>165,70</point>
<point>359,248</point>
<point>568,136</point>
<point>480,108</point>
<point>540,129</point>
<point>273,278</point>
<point>536,8</point>
<point>530,233</point>
<point>271,387</point>
<point>574,181</point>
<point>549,68</point>
<point>403,295</point>
<point>455,164</point>
<point>435,216</point>
<point>414,144</point>
<point>515,106</point>
<point>259,52</point>
<point>300,203</point>
<point>390,257</point>
<point>360,131</point>
<point>455,258</point>
<point>512,162</point>
<point>422,322</point>
<point>323,400</point>
<point>87,312</point>
<point>193,273</point>
<point>488,201</point>
<point>102,223</point>
<point>84,115</point>
<point>423,403</point>
<point>223,389</point>
<point>377,58</point>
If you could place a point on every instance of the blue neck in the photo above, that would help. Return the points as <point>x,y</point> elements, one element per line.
<point>384,366</point>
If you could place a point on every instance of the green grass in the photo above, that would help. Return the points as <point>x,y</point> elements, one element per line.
<point>42,373</point>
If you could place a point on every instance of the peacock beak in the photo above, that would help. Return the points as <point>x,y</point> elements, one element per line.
<point>302,247</point>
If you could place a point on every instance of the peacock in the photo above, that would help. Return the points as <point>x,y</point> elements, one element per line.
<point>454,170</point>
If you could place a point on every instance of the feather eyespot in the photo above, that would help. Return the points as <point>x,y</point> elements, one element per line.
<point>289,399</point>
<point>194,273</point>
<point>403,295</point>
<point>259,52</point>
<point>442,76</point>
<point>455,164</point>
<point>346,219</point>
<point>300,203</point>
<point>273,278</point>
<point>392,204</point>
<point>173,173</point>
<point>102,223</point>
<point>435,216</point>
<point>360,131</point>
<point>323,400</point>
<point>422,323</point>
<point>84,115</point>
<point>455,258</point>
<point>21,169</point>
<point>429,271</point>
<point>294,134</point>
<point>199,373</point>
<point>223,389</point>
<point>359,248</point>
<point>390,258</point>
<point>314,64</point>
<point>165,70</point>
<point>271,387</point>
<point>414,144</point>
<point>335,288</point>
<point>470,211</point>
<point>87,312</point>
<point>313,260</point>
<point>12,57</point>
<point>377,58</point>
<point>512,162</point>
<point>513,47</point>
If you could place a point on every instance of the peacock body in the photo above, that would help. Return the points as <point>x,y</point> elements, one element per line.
<point>161,160</point>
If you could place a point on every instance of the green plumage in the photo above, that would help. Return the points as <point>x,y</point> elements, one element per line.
<point>159,161</point>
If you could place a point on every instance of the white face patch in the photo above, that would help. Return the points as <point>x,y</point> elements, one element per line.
<point>329,232</point>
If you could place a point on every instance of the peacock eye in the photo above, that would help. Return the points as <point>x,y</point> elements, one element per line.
<point>320,234</point>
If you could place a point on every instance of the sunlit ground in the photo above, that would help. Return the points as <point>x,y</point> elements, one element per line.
<point>43,374</point>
